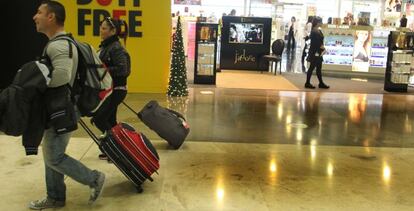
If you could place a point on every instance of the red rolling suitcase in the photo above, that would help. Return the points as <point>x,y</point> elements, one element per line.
<point>130,151</point>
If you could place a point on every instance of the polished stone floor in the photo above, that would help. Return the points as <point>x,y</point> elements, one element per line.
<point>251,150</point>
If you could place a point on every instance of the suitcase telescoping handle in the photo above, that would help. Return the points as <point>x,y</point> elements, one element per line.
<point>89,131</point>
<point>172,111</point>
<point>129,107</point>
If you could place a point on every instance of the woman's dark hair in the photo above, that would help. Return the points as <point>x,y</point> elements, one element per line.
<point>120,26</point>
<point>316,20</point>
<point>58,9</point>
<point>310,18</point>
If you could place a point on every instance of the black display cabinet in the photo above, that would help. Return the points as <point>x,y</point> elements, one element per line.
<point>400,58</point>
<point>205,53</point>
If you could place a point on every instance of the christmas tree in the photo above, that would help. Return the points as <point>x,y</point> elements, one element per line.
<point>178,72</point>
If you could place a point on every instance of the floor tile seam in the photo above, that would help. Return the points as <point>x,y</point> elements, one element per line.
<point>283,146</point>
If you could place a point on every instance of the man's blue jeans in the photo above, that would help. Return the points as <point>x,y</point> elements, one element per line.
<point>58,164</point>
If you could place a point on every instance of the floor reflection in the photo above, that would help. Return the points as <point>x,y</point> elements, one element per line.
<point>232,115</point>
<point>287,117</point>
<point>291,61</point>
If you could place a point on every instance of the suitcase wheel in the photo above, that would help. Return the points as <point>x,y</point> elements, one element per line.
<point>139,189</point>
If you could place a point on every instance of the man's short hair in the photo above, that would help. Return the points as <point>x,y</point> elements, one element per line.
<point>58,9</point>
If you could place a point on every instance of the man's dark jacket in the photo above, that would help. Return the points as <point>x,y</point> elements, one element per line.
<point>22,105</point>
<point>28,106</point>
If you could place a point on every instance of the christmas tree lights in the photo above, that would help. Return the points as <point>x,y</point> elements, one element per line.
<point>178,72</point>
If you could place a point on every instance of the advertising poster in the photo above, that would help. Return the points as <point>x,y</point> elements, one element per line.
<point>250,33</point>
<point>191,40</point>
<point>392,9</point>
<point>188,2</point>
<point>393,5</point>
<point>148,46</point>
<point>311,10</point>
<point>362,51</point>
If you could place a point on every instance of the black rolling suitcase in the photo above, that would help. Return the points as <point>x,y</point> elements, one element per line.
<point>168,124</point>
<point>130,151</point>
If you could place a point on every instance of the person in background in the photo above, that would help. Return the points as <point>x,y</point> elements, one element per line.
<point>403,21</point>
<point>291,45</point>
<point>50,20</point>
<point>118,62</point>
<point>306,32</point>
<point>346,21</point>
<point>233,34</point>
<point>375,22</point>
<point>315,55</point>
<point>397,6</point>
<point>330,20</point>
<point>232,12</point>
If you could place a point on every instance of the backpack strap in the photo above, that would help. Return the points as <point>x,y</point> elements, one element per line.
<point>67,37</point>
<point>44,58</point>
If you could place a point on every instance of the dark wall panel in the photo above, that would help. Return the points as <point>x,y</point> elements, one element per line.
<point>22,43</point>
<point>244,53</point>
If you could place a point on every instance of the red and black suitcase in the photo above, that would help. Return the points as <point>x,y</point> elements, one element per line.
<point>130,151</point>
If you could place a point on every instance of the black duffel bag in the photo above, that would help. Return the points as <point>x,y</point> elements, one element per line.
<point>168,124</point>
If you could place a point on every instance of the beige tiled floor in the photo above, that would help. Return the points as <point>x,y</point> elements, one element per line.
<point>229,176</point>
<point>250,150</point>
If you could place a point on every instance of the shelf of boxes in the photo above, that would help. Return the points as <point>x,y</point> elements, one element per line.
<point>402,67</point>
<point>205,62</point>
<point>339,49</point>
<point>379,51</point>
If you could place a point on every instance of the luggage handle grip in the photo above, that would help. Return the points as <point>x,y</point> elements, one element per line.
<point>129,107</point>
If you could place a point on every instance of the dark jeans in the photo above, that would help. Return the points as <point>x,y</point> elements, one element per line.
<point>291,42</point>
<point>304,54</point>
<point>316,63</point>
<point>105,118</point>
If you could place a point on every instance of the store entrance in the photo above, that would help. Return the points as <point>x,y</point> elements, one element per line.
<point>241,38</point>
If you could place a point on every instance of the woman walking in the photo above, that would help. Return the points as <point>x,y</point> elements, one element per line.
<point>315,54</point>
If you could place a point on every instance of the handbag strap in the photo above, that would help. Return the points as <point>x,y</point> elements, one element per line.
<point>176,113</point>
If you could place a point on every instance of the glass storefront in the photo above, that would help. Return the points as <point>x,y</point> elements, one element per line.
<point>373,19</point>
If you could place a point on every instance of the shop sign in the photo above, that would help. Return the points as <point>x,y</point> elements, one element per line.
<point>332,26</point>
<point>93,17</point>
<point>188,2</point>
<point>243,57</point>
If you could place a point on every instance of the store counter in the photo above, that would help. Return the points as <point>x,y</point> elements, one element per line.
<point>355,50</point>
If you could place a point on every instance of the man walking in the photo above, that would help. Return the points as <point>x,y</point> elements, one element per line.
<point>49,19</point>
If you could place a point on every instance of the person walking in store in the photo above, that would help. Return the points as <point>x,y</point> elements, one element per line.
<point>403,21</point>
<point>291,45</point>
<point>315,55</point>
<point>346,21</point>
<point>306,32</point>
<point>118,62</point>
<point>49,20</point>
